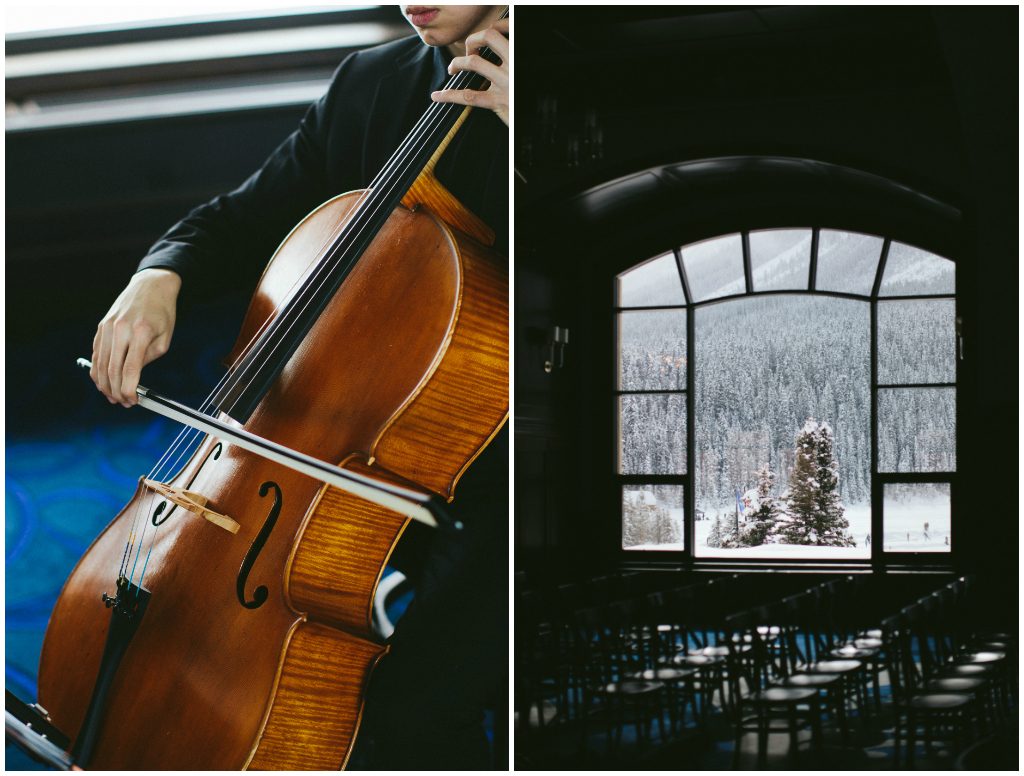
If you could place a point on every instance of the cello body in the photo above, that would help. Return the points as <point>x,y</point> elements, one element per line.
<point>404,377</point>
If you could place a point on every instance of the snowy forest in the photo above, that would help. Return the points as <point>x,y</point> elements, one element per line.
<point>766,364</point>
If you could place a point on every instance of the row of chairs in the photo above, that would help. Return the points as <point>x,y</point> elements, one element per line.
<point>804,660</point>
<point>577,652</point>
<point>949,681</point>
<point>643,660</point>
<point>800,662</point>
<point>649,660</point>
<point>611,654</point>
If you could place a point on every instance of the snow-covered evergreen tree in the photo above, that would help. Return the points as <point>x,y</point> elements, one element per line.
<point>814,513</point>
<point>723,533</point>
<point>715,537</point>
<point>761,526</point>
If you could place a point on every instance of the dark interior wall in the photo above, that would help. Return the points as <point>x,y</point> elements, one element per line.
<point>84,203</point>
<point>921,97</point>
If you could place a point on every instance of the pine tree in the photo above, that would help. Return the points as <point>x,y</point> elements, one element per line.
<point>762,525</point>
<point>815,514</point>
<point>723,534</point>
<point>715,536</point>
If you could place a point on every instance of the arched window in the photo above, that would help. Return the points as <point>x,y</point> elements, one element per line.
<point>787,393</point>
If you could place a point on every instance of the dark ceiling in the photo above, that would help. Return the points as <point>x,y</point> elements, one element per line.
<point>606,91</point>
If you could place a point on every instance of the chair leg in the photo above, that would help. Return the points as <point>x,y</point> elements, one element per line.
<point>896,738</point>
<point>911,738</point>
<point>737,744</point>
<point>794,742</point>
<point>762,739</point>
<point>840,707</point>
<point>816,714</point>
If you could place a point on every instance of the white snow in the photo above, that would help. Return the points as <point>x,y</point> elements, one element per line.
<point>901,520</point>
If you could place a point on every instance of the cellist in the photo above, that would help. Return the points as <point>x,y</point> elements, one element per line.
<point>448,655</point>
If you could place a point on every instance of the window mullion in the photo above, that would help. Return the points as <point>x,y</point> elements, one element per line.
<point>690,507</point>
<point>877,525</point>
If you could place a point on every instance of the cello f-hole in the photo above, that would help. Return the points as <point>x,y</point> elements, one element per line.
<point>259,595</point>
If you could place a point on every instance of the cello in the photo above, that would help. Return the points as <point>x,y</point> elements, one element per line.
<point>223,619</point>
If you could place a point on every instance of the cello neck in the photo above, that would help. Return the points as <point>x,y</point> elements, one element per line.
<point>256,369</point>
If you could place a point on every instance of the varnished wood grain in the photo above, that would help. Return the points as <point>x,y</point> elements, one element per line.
<point>427,191</point>
<point>342,526</point>
<point>318,701</point>
<point>466,402</point>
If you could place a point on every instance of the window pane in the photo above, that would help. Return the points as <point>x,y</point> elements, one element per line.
<point>714,268</point>
<point>780,259</point>
<point>763,367</point>
<point>655,282</point>
<point>652,432</point>
<point>652,350</point>
<point>917,517</point>
<point>917,430</point>
<point>917,341</point>
<point>847,261</point>
<point>652,517</point>
<point>913,271</point>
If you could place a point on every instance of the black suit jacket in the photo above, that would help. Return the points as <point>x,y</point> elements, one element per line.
<point>345,138</point>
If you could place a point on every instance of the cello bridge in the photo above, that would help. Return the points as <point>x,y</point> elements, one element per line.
<point>192,502</point>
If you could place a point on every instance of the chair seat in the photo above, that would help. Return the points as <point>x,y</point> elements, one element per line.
<point>785,695</point>
<point>632,687</point>
<point>665,674</point>
<point>939,701</point>
<point>969,669</point>
<point>980,657</point>
<point>992,645</point>
<point>810,680</point>
<point>868,643</point>
<point>955,684</point>
<point>696,661</point>
<point>871,633</point>
<point>725,651</point>
<point>851,652</point>
<point>832,667</point>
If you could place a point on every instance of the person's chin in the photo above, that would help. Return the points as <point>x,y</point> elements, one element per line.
<point>434,38</point>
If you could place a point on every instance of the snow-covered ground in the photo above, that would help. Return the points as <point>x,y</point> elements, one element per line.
<point>904,532</point>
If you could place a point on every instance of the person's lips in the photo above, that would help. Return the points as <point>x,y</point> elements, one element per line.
<point>421,15</point>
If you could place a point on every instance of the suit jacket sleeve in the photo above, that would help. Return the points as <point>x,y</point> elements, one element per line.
<point>228,240</point>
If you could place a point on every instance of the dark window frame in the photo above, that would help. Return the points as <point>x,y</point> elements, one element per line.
<point>878,558</point>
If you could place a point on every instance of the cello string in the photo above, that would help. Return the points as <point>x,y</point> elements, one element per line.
<point>455,81</point>
<point>328,267</point>
<point>174,455</point>
<point>426,126</point>
<point>317,256</point>
<point>441,111</point>
<point>313,266</point>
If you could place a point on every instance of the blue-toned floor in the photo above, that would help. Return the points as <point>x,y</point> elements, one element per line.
<point>711,746</point>
<point>73,460</point>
